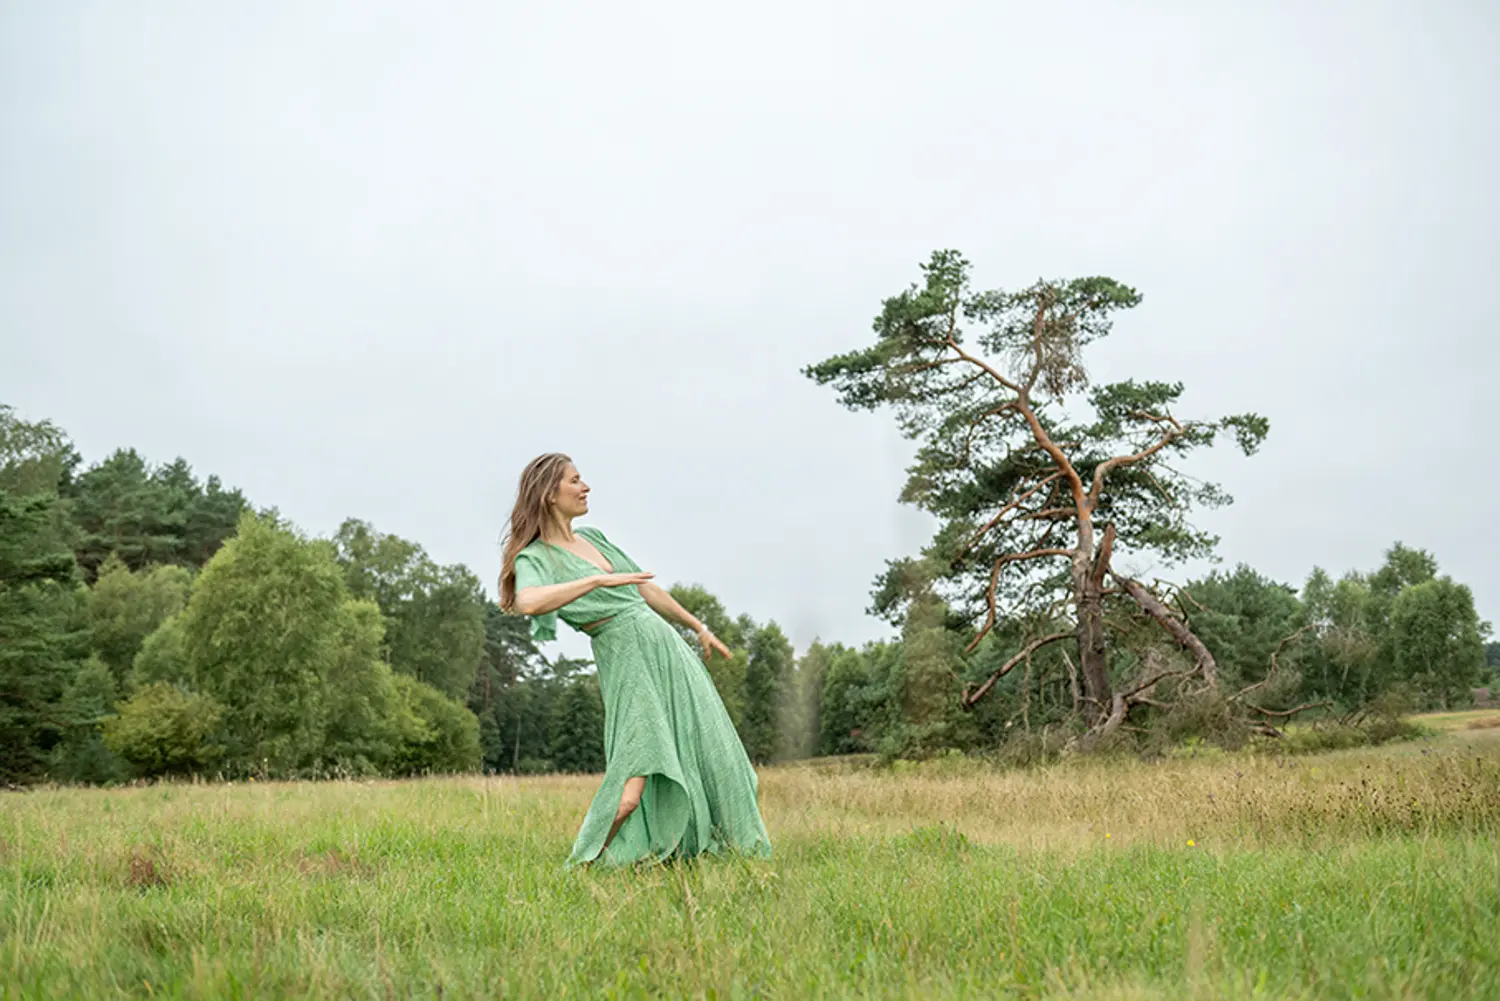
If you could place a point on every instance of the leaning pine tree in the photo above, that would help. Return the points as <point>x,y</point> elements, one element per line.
<point>1034,501</point>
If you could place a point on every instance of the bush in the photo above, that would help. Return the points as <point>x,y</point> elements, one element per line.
<point>164,730</point>
<point>1338,736</point>
<point>439,735</point>
<point>1206,717</point>
<point>1026,749</point>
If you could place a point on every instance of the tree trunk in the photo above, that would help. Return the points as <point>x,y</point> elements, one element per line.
<point>1088,596</point>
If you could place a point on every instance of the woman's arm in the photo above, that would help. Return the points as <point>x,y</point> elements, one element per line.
<point>667,607</point>
<point>550,597</point>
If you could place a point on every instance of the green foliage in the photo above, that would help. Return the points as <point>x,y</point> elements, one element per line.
<point>1031,748</point>
<point>164,730</point>
<point>40,640</point>
<point>768,670</point>
<point>366,715</point>
<point>442,735</point>
<point>435,615</point>
<point>35,456</point>
<point>803,712</point>
<point>163,657</point>
<point>125,607</point>
<point>1243,618</point>
<point>844,680</point>
<point>1400,625</point>
<point>1334,735</point>
<point>993,418</point>
<point>926,685</point>
<point>262,632</point>
<point>1436,640</point>
<point>577,727</point>
<point>82,756</point>
<point>861,699</point>
<point>147,515</point>
<point>501,697</point>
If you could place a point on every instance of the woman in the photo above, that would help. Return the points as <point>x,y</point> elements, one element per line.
<point>677,781</point>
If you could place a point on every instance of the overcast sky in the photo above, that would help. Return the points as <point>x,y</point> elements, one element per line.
<point>367,259</point>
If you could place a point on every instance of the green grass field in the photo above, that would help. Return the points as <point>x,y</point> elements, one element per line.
<point>1371,873</point>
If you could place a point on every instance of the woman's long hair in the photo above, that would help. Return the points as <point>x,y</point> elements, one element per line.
<point>539,481</point>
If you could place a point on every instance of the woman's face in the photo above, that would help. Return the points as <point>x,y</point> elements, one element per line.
<point>572,497</point>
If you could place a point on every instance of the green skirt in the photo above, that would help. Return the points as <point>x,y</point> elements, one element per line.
<point>663,719</point>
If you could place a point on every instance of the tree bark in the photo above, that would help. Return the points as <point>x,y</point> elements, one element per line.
<point>1089,598</point>
<point>1153,607</point>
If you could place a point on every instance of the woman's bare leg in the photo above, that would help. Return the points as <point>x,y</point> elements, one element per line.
<point>629,800</point>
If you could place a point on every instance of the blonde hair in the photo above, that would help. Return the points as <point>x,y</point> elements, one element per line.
<point>539,482</point>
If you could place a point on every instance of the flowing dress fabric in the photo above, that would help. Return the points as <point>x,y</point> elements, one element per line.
<point>663,719</point>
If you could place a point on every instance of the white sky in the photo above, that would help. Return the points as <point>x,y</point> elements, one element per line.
<point>366,259</point>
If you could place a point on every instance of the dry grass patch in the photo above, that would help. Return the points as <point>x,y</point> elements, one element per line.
<point>145,871</point>
<point>1246,800</point>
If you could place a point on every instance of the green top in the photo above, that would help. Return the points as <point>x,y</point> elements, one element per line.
<point>542,563</point>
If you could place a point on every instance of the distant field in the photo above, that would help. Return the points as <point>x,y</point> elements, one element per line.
<point>1371,873</point>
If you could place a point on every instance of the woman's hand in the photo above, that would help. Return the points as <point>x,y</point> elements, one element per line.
<point>621,579</point>
<point>711,644</point>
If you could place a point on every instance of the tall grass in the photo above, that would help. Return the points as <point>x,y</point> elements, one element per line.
<point>1372,873</point>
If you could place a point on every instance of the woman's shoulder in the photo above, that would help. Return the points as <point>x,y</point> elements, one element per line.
<point>536,547</point>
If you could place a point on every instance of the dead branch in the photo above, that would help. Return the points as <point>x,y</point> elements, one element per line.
<point>1174,625</point>
<point>1152,682</point>
<point>1182,592</point>
<point>969,698</point>
<point>1073,681</point>
<point>1271,674</point>
<point>1119,706</point>
<point>1284,713</point>
<point>1037,326</point>
<point>1101,560</point>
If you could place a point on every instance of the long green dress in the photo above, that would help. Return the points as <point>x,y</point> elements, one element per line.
<point>663,719</point>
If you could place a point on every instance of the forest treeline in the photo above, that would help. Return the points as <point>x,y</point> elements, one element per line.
<point>152,624</point>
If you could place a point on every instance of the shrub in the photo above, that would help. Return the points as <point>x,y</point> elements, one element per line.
<point>439,735</point>
<point>164,730</point>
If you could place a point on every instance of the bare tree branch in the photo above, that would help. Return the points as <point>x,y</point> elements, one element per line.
<point>1283,713</point>
<point>1153,681</point>
<point>1172,624</point>
<point>1025,653</point>
<point>1101,560</point>
<point>1271,674</point>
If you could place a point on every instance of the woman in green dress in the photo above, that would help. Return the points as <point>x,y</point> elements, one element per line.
<point>677,782</point>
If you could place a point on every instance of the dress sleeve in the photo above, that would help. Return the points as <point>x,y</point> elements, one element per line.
<point>530,573</point>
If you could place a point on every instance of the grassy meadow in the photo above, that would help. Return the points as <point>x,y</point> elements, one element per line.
<point>1367,873</point>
